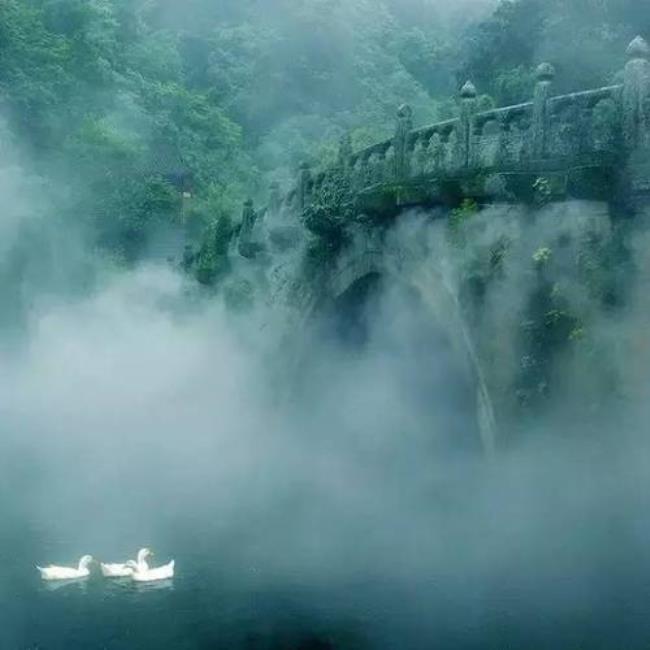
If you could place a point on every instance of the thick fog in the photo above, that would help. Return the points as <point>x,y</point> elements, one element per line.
<point>343,459</point>
<point>141,413</point>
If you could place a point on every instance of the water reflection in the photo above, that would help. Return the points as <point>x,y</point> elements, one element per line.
<point>113,587</point>
<point>159,585</point>
<point>78,585</point>
<point>127,586</point>
<point>116,586</point>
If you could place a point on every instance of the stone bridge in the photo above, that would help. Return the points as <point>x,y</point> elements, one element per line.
<point>592,146</point>
<point>585,145</point>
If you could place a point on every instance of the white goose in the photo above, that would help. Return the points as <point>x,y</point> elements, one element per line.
<point>67,573</point>
<point>142,572</point>
<point>125,570</point>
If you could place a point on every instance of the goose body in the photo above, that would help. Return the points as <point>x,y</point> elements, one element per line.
<point>53,572</point>
<point>159,573</point>
<point>116,570</point>
<point>126,569</point>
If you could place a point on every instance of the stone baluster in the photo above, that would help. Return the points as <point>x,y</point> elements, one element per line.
<point>467,111</point>
<point>419,157</point>
<point>544,74</point>
<point>246,232</point>
<point>304,186</point>
<point>400,141</point>
<point>275,200</point>
<point>317,185</point>
<point>636,94</point>
<point>374,171</point>
<point>355,172</point>
<point>436,152</point>
<point>345,152</point>
<point>248,215</point>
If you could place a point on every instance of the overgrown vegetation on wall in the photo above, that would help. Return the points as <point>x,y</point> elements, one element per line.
<point>537,286</point>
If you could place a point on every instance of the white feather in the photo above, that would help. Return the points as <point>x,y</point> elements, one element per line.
<point>126,569</point>
<point>164,572</point>
<point>116,570</point>
<point>54,572</point>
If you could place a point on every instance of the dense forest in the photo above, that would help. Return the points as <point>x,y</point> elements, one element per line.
<point>126,116</point>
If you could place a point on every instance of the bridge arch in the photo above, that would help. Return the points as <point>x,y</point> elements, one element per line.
<point>438,303</point>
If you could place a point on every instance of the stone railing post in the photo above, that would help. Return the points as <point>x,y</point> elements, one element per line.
<point>246,232</point>
<point>275,200</point>
<point>304,186</point>
<point>400,142</point>
<point>544,74</point>
<point>636,94</point>
<point>467,110</point>
<point>345,152</point>
<point>248,216</point>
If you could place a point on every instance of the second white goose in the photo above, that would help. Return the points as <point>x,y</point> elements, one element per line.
<point>142,572</point>
<point>125,569</point>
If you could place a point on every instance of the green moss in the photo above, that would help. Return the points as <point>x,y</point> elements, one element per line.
<point>458,220</point>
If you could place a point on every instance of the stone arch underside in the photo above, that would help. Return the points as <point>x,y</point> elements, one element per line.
<point>442,307</point>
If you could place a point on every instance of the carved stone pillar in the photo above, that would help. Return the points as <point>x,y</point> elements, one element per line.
<point>467,111</point>
<point>400,141</point>
<point>636,95</point>
<point>545,74</point>
<point>304,186</point>
<point>246,232</point>
<point>248,216</point>
<point>345,152</point>
<point>275,200</point>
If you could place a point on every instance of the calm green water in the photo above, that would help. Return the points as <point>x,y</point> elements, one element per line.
<point>232,592</point>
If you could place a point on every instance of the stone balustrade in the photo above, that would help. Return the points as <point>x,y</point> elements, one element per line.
<point>549,133</point>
